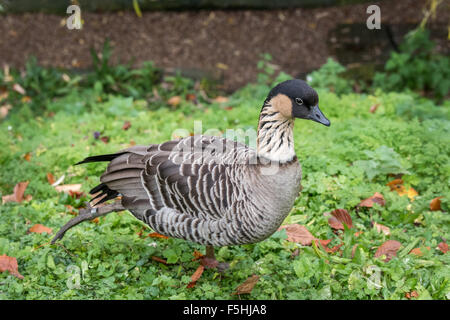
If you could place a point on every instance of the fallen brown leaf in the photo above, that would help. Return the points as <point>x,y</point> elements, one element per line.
<point>417,252</point>
<point>3,95</point>
<point>443,247</point>
<point>247,286</point>
<point>374,108</point>
<point>412,294</point>
<point>174,101</point>
<point>71,210</point>
<point>338,218</point>
<point>4,110</point>
<point>73,190</point>
<point>25,99</point>
<point>18,195</point>
<point>397,185</point>
<point>324,244</point>
<point>298,233</point>
<point>157,235</point>
<point>376,198</point>
<point>435,204</point>
<point>382,229</point>
<point>10,264</point>
<point>27,156</point>
<point>105,139</point>
<point>67,188</point>
<point>39,228</point>
<point>389,249</point>
<point>50,178</point>
<point>126,125</point>
<point>197,274</point>
<point>154,258</point>
<point>191,97</point>
<point>220,99</point>
<point>18,88</point>
<point>197,255</point>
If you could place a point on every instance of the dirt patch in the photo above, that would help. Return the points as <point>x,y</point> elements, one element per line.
<point>224,43</point>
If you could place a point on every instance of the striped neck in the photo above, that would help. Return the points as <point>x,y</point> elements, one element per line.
<point>275,140</point>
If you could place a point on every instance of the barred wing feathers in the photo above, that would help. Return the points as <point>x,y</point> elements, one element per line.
<point>194,175</point>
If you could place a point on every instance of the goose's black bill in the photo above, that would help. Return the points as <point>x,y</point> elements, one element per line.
<point>317,115</point>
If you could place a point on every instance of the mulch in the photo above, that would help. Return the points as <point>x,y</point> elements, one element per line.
<point>226,44</point>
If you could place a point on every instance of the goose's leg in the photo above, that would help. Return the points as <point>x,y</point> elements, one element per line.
<point>210,252</point>
<point>209,261</point>
<point>88,213</point>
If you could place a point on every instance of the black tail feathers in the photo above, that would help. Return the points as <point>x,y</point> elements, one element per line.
<point>105,192</point>
<point>102,157</point>
<point>104,195</point>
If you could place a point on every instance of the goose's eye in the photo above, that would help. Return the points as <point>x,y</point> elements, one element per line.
<point>299,101</point>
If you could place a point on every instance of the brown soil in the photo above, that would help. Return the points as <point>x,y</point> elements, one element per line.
<point>220,42</point>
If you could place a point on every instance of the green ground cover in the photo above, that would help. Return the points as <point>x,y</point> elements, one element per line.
<point>355,157</point>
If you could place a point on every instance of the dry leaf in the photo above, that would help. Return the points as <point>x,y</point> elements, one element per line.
<point>126,125</point>
<point>69,188</point>
<point>18,195</point>
<point>412,294</point>
<point>376,198</point>
<point>374,108</point>
<point>381,228</point>
<point>71,210</point>
<point>25,99</point>
<point>157,235</point>
<point>435,204</point>
<point>389,249</point>
<point>10,264</point>
<point>417,252</point>
<point>39,228</point>
<point>339,218</point>
<point>159,260</point>
<point>324,244</point>
<point>27,156</point>
<point>3,95</point>
<point>105,139</point>
<point>298,233</point>
<point>197,255</point>
<point>174,101</point>
<point>190,97</point>
<point>197,274</point>
<point>247,286</point>
<point>4,110</point>
<point>443,247</point>
<point>50,178</point>
<point>398,186</point>
<point>220,99</point>
<point>18,88</point>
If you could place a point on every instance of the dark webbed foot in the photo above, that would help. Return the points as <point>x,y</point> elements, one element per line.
<point>209,261</point>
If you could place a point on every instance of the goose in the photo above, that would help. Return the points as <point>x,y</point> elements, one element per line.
<point>211,190</point>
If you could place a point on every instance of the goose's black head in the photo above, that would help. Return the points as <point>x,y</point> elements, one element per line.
<point>295,98</point>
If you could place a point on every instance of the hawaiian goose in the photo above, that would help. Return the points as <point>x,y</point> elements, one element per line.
<point>211,190</point>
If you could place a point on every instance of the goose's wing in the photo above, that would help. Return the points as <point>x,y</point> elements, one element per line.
<point>194,175</point>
